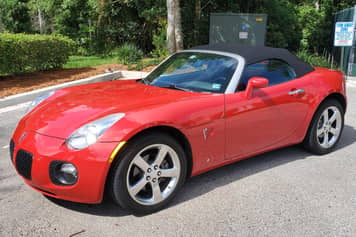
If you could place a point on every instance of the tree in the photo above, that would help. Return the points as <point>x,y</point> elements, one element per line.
<point>283,30</point>
<point>99,26</point>
<point>43,14</point>
<point>174,29</point>
<point>15,16</point>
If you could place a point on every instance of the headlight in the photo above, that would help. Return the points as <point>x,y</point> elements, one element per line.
<point>89,133</point>
<point>38,100</point>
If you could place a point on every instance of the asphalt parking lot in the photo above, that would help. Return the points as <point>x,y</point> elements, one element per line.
<point>287,192</point>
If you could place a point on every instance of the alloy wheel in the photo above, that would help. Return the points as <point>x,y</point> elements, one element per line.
<point>153,174</point>
<point>329,127</point>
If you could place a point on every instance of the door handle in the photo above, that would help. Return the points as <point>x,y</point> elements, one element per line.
<point>296,92</point>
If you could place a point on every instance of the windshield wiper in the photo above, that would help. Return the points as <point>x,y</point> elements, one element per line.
<point>145,81</point>
<point>175,87</point>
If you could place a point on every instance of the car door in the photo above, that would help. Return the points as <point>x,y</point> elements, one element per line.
<point>270,117</point>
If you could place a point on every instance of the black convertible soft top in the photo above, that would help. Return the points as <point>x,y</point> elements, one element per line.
<point>254,54</point>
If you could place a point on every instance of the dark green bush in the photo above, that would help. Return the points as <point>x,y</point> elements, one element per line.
<point>128,54</point>
<point>160,43</point>
<point>25,53</point>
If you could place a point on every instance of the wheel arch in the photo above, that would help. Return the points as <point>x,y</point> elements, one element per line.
<point>171,131</point>
<point>309,138</point>
<point>335,95</point>
<point>175,133</point>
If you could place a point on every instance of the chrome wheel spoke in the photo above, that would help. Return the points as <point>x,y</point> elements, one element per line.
<point>334,131</point>
<point>320,132</point>
<point>135,189</point>
<point>161,155</point>
<point>325,116</point>
<point>169,173</point>
<point>141,163</point>
<point>326,139</point>
<point>156,192</point>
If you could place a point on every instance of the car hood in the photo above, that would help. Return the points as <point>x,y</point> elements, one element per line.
<point>70,108</point>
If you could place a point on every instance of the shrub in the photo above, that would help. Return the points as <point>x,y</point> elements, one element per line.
<point>128,54</point>
<point>138,66</point>
<point>24,53</point>
<point>313,59</point>
<point>152,62</point>
<point>159,41</point>
<point>142,64</point>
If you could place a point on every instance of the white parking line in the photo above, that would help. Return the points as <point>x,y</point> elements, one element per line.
<point>5,147</point>
<point>14,107</point>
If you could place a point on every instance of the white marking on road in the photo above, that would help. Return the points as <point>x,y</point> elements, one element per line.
<point>5,147</point>
<point>351,83</point>
<point>14,107</point>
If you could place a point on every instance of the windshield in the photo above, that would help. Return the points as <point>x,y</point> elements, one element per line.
<point>194,71</point>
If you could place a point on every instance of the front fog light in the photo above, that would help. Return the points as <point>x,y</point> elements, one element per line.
<point>63,173</point>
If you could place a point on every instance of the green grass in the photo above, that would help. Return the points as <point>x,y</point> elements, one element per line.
<point>91,61</point>
<point>88,61</point>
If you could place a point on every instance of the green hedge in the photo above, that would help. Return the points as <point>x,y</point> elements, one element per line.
<point>25,53</point>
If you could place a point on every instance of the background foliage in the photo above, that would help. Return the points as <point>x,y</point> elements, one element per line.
<point>100,26</point>
<point>128,54</point>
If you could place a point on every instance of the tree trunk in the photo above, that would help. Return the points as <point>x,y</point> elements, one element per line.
<point>40,20</point>
<point>197,19</point>
<point>317,4</point>
<point>197,9</point>
<point>178,27</point>
<point>174,29</point>
<point>171,38</point>
<point>101,12</point>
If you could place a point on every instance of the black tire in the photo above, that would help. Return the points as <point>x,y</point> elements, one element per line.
<point>118,186</point>
<point>311,142</point>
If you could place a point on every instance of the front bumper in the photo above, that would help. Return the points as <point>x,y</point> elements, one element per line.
<point>92,164</point>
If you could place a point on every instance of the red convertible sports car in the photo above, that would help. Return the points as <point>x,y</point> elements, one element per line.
<point>200,109</point>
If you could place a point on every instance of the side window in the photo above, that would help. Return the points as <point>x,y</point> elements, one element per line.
<point>276,71</point>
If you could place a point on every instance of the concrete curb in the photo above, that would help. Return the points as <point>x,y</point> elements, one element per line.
<point>123,75</point>
<point>350,78</point>
<point>28,96</point>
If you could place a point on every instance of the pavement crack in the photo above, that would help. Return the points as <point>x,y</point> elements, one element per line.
<point>77,233</point>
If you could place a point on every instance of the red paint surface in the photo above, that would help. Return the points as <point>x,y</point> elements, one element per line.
<point>237,127</point>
